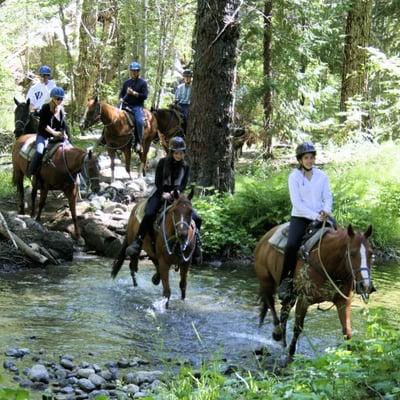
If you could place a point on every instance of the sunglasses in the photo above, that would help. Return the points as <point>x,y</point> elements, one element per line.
<point>59,98</point>
<point>45,75</point>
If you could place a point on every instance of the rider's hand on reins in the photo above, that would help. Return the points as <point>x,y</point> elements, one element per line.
<point>167,196</point>
<point>323,215</point>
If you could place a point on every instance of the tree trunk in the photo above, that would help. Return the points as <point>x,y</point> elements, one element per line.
<point>86,72</point>
<point>211,113</point>
<point>354,71</point>
<point>267,139</point>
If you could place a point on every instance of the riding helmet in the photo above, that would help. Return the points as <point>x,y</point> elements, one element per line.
<point>187,72</point>
<point>177,144</point>
<point>44,70</point>
<point>134,66</point>
<point>57,92</point>
<point>304,148</point>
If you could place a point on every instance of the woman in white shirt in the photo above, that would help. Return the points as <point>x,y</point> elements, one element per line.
<point>311,200</point>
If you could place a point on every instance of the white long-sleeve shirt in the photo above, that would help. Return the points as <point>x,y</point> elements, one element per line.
<point>309,197</point>
<point>40,94</point>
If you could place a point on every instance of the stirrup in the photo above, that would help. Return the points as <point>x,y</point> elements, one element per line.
<point>134,249</point>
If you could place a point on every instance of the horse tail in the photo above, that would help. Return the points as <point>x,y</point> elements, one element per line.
<point>119,260</point>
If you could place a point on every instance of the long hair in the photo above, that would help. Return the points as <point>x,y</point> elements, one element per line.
<point>168,165</point>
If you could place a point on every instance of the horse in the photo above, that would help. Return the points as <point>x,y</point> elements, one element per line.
<point>174,244</point>
<point>340,262</point>
<point>60,173</point>
<point>118,132</point>
<point>25,122</point>
<point>169,123</point>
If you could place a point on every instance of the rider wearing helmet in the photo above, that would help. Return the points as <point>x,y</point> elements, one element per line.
<point>172,173</point>
<point>311,200</point>
<point>52,124</point>
<point>133,94</point>
<point>183,95</point>
<point>39,93</point>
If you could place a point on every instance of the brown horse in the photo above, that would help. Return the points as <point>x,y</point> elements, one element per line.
<point>174,243</point>
<point>25,122</point>
<point>341,261</point>
<point>119,133</point>
<point>60,173</point>
<point>169,122</point>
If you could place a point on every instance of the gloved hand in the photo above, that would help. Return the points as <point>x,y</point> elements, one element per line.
<point>167,196</point>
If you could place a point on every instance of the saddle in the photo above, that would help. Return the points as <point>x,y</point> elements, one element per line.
<point>131,118</point>
<point>313,233</point>
<point>28,149</point>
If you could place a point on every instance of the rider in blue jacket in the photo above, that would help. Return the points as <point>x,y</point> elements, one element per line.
<point>133,94</point>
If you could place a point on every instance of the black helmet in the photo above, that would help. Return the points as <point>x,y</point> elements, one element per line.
<point>177,144</point>
<point>187,72</point>
<point>304,148</point>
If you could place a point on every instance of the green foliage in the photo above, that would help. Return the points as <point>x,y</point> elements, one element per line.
<point>6,187</point>
<point>359,369</point>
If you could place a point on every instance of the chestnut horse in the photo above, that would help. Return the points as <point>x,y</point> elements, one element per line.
<point>169,123</point>
<point>118,132</point>
<point>60,173</point>
<point>25,122</point>
<point>174,243</point>
<point>340,262</point>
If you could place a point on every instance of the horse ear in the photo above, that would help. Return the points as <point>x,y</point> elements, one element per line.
<point>191,194</point>
<point>350,231</point>
<point>176,194</point>
<point>16,101</point>
<point>28,102</point>
<point>368,232</point>
<point>96,99</point>
<point>90,154</point>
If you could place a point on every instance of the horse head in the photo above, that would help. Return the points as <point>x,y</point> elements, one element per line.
<point>92,114</point>
<point>359,258</point>
<point>91,171</point>
<point>22,117</point>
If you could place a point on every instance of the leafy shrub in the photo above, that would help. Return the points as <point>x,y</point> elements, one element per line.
<point>6,187</point>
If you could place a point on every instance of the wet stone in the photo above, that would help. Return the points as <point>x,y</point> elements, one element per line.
<point>25,383</point>
<point>143,377</point>
<point>82,397</point>
<point>107,375</point>
<point>97,380</point>
<point>60,374</point>
<point>131,388</point>
<point>85,364</point>
<point>72,380</point>
<point>17,353</point>
<point>67,357</point>
<point>109,386</point>
<point>67,390</point>
<point>39,386</point>
<point>96,393</point>
<point>7,364</point>
<point>67,364</point>
<point>86,385</point>
<point>139,395</point>
<point>39,373</point>
<point>96,368</point>
<point>123,363</point>
<point>111,365</point>
<point>85,372</point>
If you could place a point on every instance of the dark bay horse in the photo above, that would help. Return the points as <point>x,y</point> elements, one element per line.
<point>25,122</point>
<point>60,173</point>
<point>118,133</point>
<point>174,243</point>
<point>341,262</point>
<point>169,123</point>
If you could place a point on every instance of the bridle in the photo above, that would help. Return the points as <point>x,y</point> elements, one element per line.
<point>98,116</point>
<point>187,241</point>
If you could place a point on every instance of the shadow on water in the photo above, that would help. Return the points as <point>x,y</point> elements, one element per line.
<point>78,309</point>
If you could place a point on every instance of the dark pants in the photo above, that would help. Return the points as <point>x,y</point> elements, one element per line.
<point>185,112</point>
<point>153,205</point>
<point>139,123</point>
<point>297,229</point>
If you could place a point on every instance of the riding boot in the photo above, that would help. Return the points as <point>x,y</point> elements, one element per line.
<point>134,249</point>
<point>139,139</point>
<point>34,165</point>
<point>197,258</point>
<point>286,289</point>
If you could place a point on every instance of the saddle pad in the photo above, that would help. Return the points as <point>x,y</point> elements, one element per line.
<point>28,149</point>
<point>312,241</point>
<point>279,239</point>
<point>139,212</point>
<point>131,119</point>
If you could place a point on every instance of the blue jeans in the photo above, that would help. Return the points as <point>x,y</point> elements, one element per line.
<point>40,144</point>
<point>185,112</point>
<point>139,123</point>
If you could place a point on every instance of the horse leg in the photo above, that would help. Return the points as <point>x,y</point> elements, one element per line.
<point>300,313</point>
<point>71,193</point>
<point>267,302</point>
<point>33,196</point>
<point>128,156</point>
<point>156,277</point>
<point>111,154</point>
<point>344,311</point>
<point>143,154</point>
<point>43,196</point>
<point>183,282</point>
<point>164,274</point>
<point>19,182</point>
<point>133,266</point>
<point>285,311</point>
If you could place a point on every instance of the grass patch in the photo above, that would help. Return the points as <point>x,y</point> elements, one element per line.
<point>6,187</point>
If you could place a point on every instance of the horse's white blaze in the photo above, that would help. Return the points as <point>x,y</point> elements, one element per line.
<point>364,266</point>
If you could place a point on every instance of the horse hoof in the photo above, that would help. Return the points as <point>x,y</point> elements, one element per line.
<point>134,281</point>
<point>156,279</point>
<point>277,334</point>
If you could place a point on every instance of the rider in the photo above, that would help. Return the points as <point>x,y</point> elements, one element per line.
<point>311,200</point>
<point>133,93</point>
<point>183,96</point>
<point>172,172</point>
<point>39,93</point>
<point>51,124</point>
